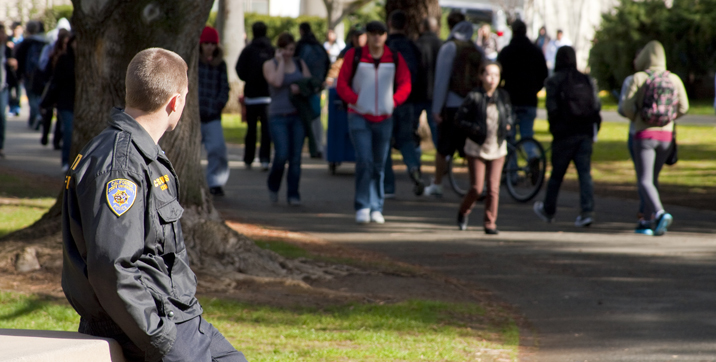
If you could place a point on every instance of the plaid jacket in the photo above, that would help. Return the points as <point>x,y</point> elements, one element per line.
<point>213,90</point>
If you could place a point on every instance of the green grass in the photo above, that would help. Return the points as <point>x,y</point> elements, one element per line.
<point>409,331</point>
<point>611,162</point>
<point>20,213</point>
<point>235,130</point>
<point>701,107</point>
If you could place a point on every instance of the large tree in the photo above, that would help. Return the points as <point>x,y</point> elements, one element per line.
<point>338,9</point>
<point>110,33</point>
<point>416,11</point>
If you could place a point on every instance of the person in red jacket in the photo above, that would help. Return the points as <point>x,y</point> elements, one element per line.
<point>373,81</point>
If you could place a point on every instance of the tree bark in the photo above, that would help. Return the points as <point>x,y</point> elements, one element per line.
<point>230,24</point>
<point>416,11</point>
<point>110,33</point>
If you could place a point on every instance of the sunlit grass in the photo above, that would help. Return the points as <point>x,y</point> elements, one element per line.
<point>414,330</point>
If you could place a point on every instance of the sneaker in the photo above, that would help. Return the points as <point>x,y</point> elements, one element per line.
<point>662,223</point>
<point>419,187</point>
<point>583,221</point>
<point>65,168</point>
<point>294,201</point>
<point>264,166</point>
<point>363,216</point>
<point>461,221</point>
<point>491,231</point>
<point>389,195</point>
<point>43,140</point>
<point>433,189</point>
<point>644,228</point>
<point>216,191</point>
<point>273,196</point>
<point>377,217</point>
<point>539,210</point>
<point>247,165</point>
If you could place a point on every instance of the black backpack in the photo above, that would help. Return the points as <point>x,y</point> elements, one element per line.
<point>316,58</point>
<point>576,97</point>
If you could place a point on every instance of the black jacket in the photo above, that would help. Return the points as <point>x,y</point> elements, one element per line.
<point>471,116</point>
<point>63,81</point>
<point>524,70</point>
<point>412,56</point>
<point>213,87</point>
<point>560,123</point>
<point>249,67</point>
<point>429,44</point>
<point>317,60</point>
<point>125,266</point>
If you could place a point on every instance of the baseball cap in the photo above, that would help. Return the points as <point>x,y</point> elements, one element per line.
<point>376,27</point>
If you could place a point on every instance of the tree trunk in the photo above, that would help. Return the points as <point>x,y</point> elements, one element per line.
<point>416,11</point>
<point>230,24</point>
<point>110,33</point>
<point>336,10</point>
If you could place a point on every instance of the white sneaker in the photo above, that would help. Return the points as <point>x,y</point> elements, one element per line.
<point>583,221</point>
<point>389,196</point>
<point>363,216</point>
<point>377,217</point>
<point>433,189</point>
<point>65,168</point>
<point>264,166</point>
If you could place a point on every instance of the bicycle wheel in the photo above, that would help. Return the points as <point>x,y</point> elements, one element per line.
<point>458,175</point>
<point>525,168</point>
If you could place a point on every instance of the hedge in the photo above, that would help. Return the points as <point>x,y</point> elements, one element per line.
<point>687,31</point>
<point>279,24</point>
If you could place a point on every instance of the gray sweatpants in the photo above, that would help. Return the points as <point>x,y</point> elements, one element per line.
<point>649,158</point>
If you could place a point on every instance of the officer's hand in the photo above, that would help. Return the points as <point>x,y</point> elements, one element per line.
<point>438,118</point>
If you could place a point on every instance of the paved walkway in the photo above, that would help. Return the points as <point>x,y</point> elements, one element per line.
<point>597,294</point>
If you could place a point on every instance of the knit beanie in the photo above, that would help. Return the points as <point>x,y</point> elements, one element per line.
<point>209,35</point>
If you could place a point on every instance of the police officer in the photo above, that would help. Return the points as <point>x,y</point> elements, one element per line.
<point>126,270</point>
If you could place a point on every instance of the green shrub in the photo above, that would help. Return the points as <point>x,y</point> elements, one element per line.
<point>687,31</point>
<point>279,24</point>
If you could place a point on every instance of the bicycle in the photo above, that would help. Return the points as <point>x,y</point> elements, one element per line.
<point>523,174</point>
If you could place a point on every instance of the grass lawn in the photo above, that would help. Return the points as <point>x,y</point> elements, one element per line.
<point>22,202</point>
<point>701,107</point>
<point>408,331</point>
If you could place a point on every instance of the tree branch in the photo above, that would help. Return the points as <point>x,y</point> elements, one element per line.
<point>353,6</point>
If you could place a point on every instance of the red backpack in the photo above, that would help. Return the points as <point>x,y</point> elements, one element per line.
<point>659,107</point>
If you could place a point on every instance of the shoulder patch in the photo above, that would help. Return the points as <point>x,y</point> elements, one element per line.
<point>121,194</point>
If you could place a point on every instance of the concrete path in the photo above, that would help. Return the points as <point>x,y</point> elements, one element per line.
<point>596,294</point>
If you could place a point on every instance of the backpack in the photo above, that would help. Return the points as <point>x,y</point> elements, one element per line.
<point>577,96</point>
<point>316,58</point>
<point>411,54</point>
<point>36,77</point>
<point>465,68</point>
<point>659,107</point>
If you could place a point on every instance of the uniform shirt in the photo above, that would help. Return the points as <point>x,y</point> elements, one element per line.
<point>125,266</point>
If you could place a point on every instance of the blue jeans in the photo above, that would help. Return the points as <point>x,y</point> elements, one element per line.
<point>66,117</point>
<point>372,143</point>
<point>212,136</point>
<point>34,101</point>
<point>405,123</point>
<point>287,134</point>
<point>577,148</point>
<point>525,122</point>
<point>3,116</point>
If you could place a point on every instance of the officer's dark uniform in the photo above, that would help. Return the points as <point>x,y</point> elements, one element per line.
<point>126,270</point>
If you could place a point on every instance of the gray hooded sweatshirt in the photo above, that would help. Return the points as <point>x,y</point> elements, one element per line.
<point>443,68</point>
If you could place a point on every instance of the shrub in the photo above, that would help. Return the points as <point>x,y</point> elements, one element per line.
<point>278,24</point>
<point>687,31</point>
<point>55,13</point>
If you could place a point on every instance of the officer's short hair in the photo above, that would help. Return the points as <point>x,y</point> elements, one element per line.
<point>153,76</point>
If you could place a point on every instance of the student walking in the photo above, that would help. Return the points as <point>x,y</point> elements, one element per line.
<point>524,71</point>
<point>28,58</point>
<point>64,86</point>
<point>287,130</point>
<point>487,110</point>
<point>9,63</point>
<point>405,121</point>
<point>655,99</point>
<point>456,74</point>
<point>552,48</point>
<point>213,95</point>
<point>429,44</point>
<point>256,94</point>
<point>372,85</point>
<point>573,113</point>
<point>333,45</point>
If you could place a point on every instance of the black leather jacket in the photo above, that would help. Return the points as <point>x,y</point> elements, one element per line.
<point>125,267</point>
<point>471,117</point>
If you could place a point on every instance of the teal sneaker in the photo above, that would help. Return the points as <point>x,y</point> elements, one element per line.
<point>644,228</point>
<point>662,223</point>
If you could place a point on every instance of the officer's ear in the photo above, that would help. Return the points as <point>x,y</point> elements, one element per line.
<point>175,103</point>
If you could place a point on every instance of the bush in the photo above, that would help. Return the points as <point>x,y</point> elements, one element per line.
<point>55,13</point>
<point>687,31</point>
<point>279,24</point>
